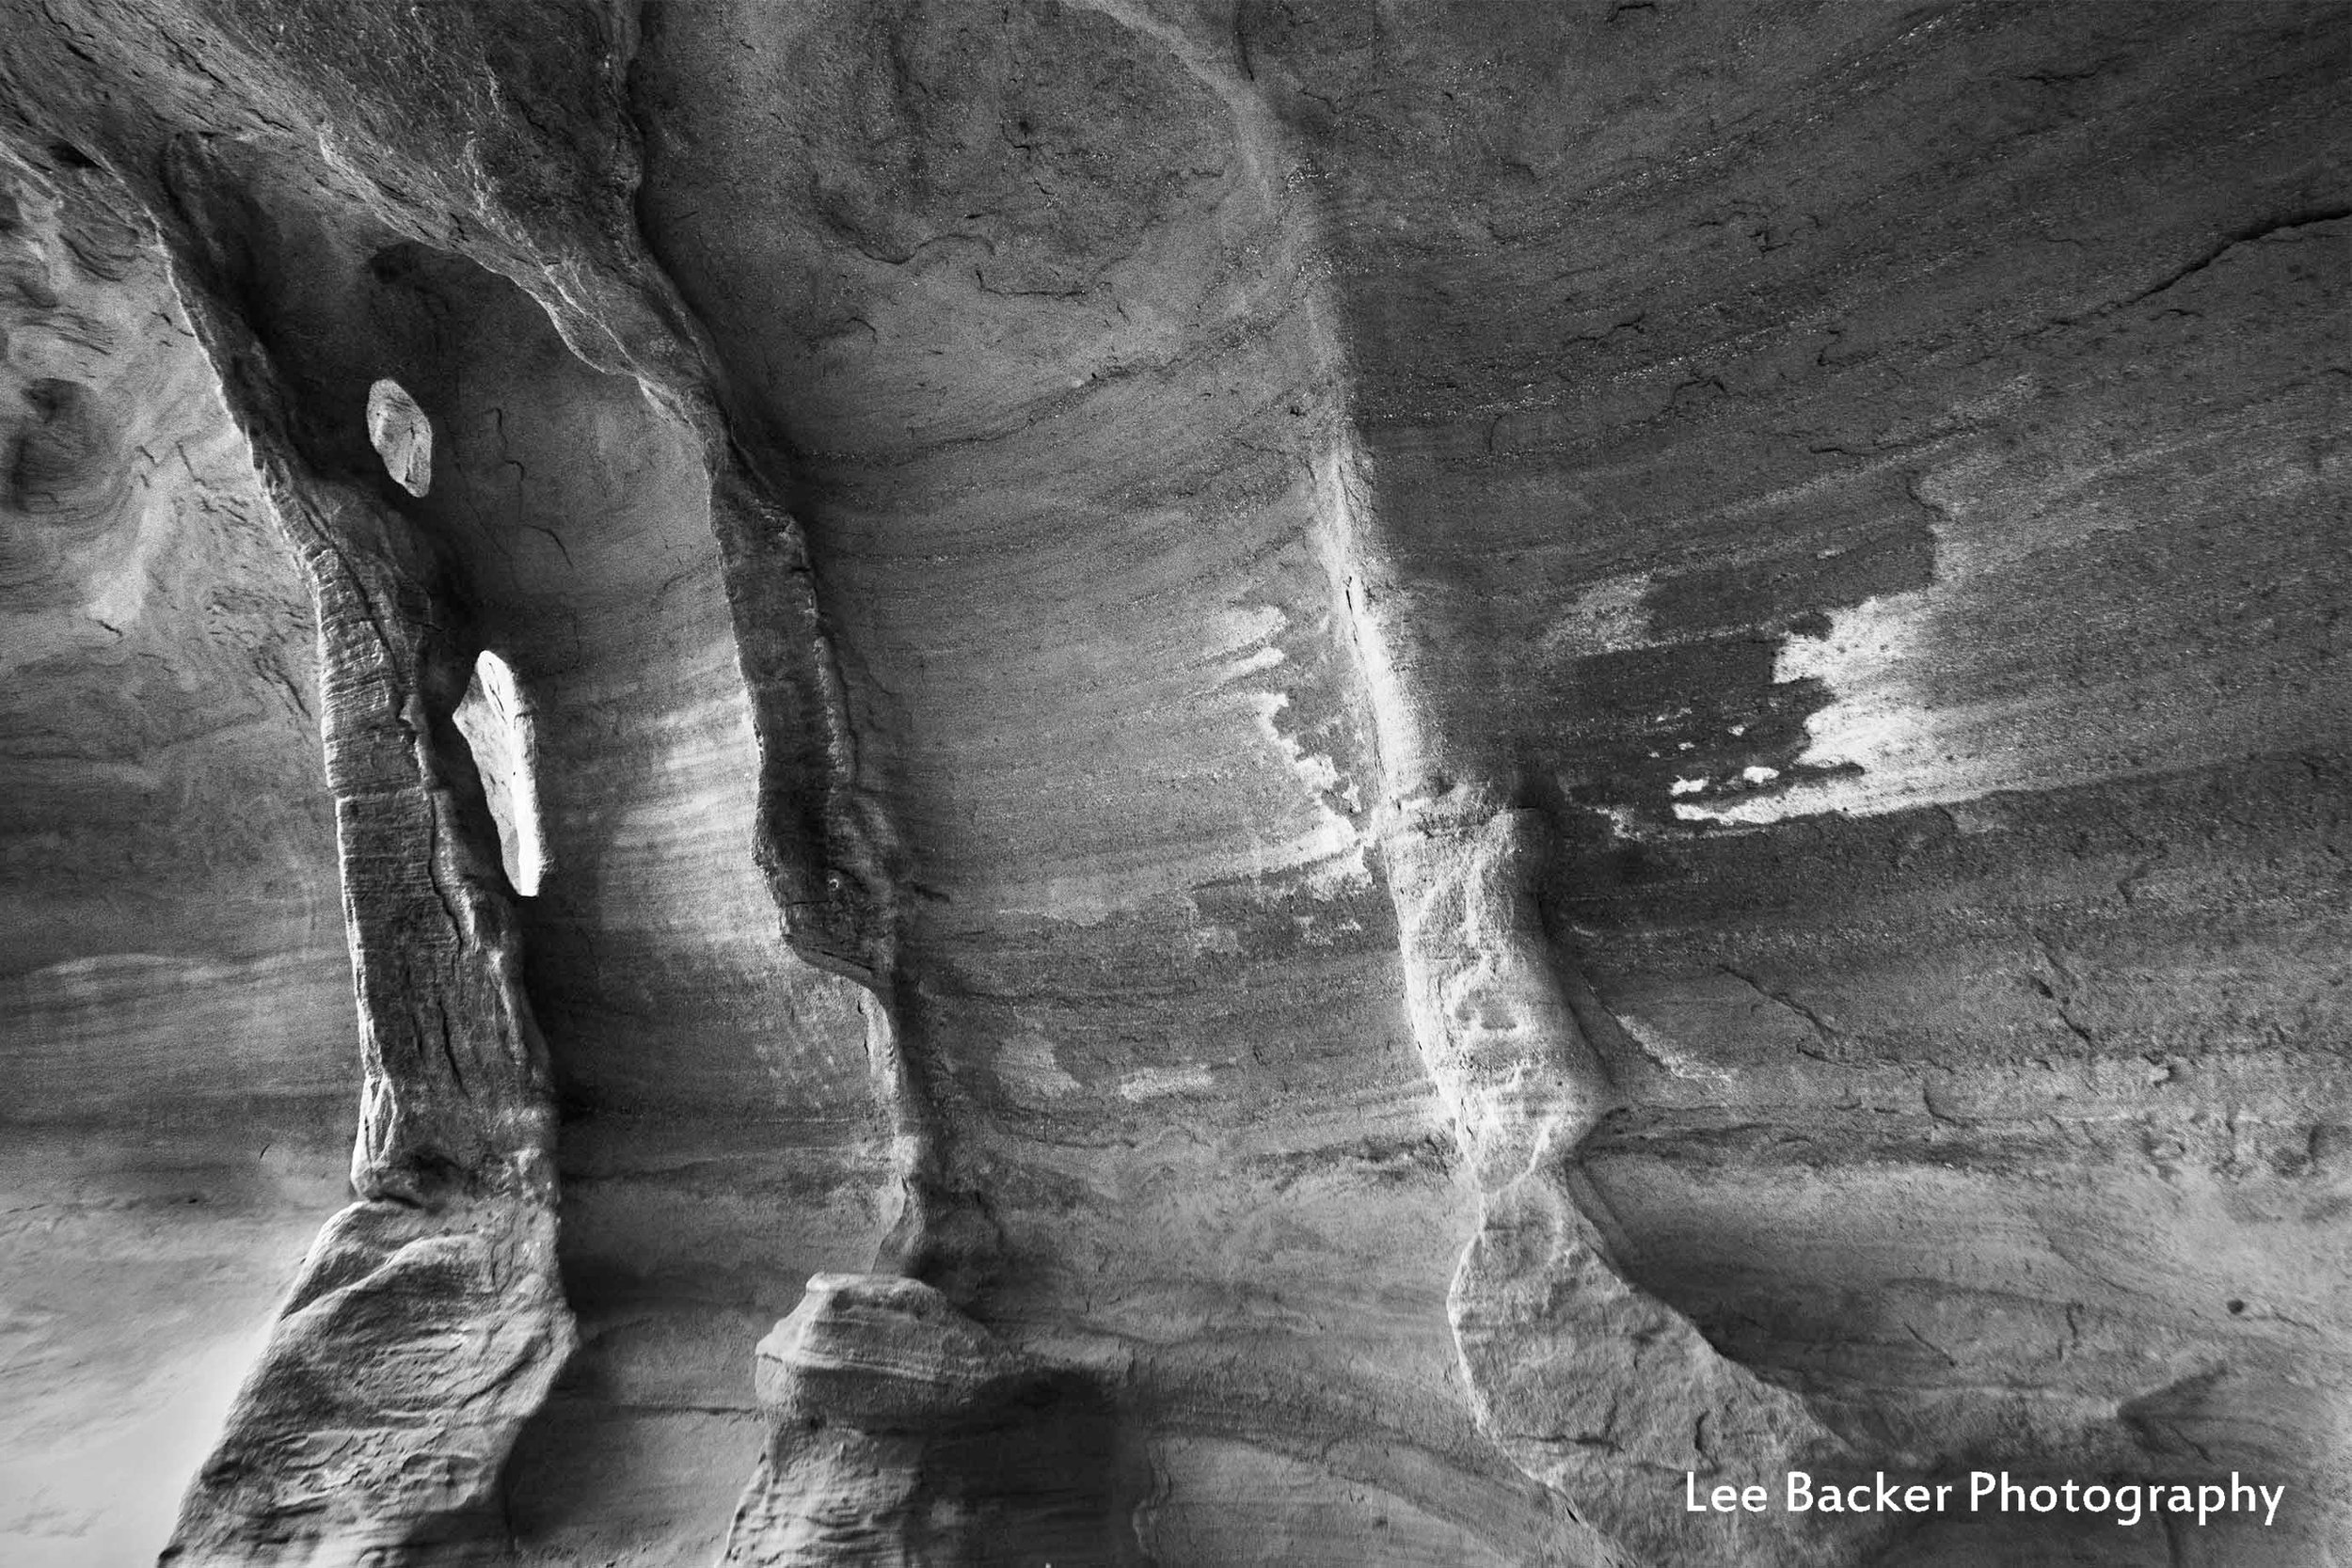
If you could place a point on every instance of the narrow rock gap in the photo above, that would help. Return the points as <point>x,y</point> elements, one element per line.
<point>496,723</point>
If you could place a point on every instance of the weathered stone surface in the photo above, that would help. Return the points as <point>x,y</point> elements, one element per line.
<point>427,1323</point>
<point>177,1058</point>
<point>1356,775</point>
<point>905,1432</point>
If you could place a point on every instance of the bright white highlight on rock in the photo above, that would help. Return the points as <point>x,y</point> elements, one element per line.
<point>1878,720</point>
<point>402,436</point>
<point>497,729</point>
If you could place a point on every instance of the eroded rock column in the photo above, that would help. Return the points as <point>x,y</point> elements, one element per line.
<point>427,1323</point>
<point>1594,1386</point>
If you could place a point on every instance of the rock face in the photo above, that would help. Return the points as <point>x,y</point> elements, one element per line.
<point>1296,784</point>
<point>905,1432</point>
<point>427,1323</point>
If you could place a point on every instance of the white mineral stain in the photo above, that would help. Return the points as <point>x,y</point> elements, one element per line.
<point>1878,721</point>
<point>1927,708</point>
<point>1153,1083</point>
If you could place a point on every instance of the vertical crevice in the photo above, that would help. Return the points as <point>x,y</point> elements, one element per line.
<point>833,862</point>
<point>833,869</point>
<point>494,720</point>
<point>824,846</point>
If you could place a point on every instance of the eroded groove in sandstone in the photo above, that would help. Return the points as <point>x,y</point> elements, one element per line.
<point>829,855</point>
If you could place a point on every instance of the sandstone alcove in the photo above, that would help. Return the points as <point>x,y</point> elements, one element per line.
<point>1215,784</point>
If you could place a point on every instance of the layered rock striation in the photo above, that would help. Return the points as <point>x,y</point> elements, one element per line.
<point>1296,783</point>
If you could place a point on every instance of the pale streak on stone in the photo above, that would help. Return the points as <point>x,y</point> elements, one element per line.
<point>1878,720</point>
<point>1153,1083</point>
<point>1604,619</point>
<point>1896,722</point>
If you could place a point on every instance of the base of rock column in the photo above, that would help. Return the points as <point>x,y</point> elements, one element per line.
<point>904,1433</point>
